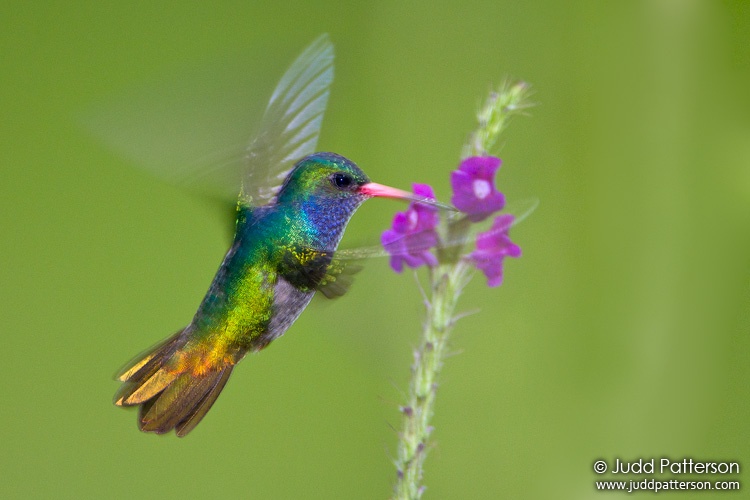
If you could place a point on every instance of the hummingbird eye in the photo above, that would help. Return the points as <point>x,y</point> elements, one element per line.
<point>342,181</point>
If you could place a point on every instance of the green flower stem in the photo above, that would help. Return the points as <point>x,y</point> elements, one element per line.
<point>447,280</point>
<point>446,284</point>
<point>457,230</point>
<point>494,116</point>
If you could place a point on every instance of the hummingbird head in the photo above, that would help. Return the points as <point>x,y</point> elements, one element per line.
<point>323,191</point>
<point>328,176</point>
<point>322,178</point>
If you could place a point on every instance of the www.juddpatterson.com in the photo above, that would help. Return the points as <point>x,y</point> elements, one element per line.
<point>666,466</point>
<point>656,485</point>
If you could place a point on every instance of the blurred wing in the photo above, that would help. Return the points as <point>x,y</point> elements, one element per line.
<point>192,129</point>
<point>339,278</point>
<point>520,209</point>
<point>291,123</point>
<point>335,275</point>
<point>308,268</point>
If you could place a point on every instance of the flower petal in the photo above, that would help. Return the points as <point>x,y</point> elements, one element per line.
<point>412,233</point>
<point>492,248</point>
<point>474,191</point>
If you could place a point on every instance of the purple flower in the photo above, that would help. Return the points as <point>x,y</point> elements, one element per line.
<point>413,233</point>
<point>492,247</point>
<point>474,191</point>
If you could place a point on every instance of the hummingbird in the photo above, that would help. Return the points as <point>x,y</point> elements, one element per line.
<point>283,252</point>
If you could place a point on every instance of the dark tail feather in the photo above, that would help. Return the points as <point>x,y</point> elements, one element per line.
<point>168,400</point>
<point>182,403</point>
<point>188,423</point>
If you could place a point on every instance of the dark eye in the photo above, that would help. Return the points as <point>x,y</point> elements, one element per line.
<point>342,180</point>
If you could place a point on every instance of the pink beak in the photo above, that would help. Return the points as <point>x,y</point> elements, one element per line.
<point>379,190</point>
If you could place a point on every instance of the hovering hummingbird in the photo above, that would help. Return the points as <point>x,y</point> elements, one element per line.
<point>282,253</point>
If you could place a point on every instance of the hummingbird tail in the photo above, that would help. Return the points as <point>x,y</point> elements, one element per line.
<point>169,399</point>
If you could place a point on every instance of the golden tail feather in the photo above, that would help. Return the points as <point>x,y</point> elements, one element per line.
<point>169,399</point>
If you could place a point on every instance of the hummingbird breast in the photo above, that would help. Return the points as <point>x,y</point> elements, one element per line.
<point>278,258</point>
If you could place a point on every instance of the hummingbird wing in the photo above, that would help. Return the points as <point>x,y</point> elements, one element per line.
<point>334,271</point>
<point>191,129</point>
<point>310,269</point>
<point>291,123</point>
<point>414,244</point>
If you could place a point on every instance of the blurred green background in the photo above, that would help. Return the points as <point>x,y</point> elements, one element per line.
<point>622,332</point>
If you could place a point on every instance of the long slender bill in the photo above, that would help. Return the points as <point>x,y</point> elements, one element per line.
<point>379,190</point>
